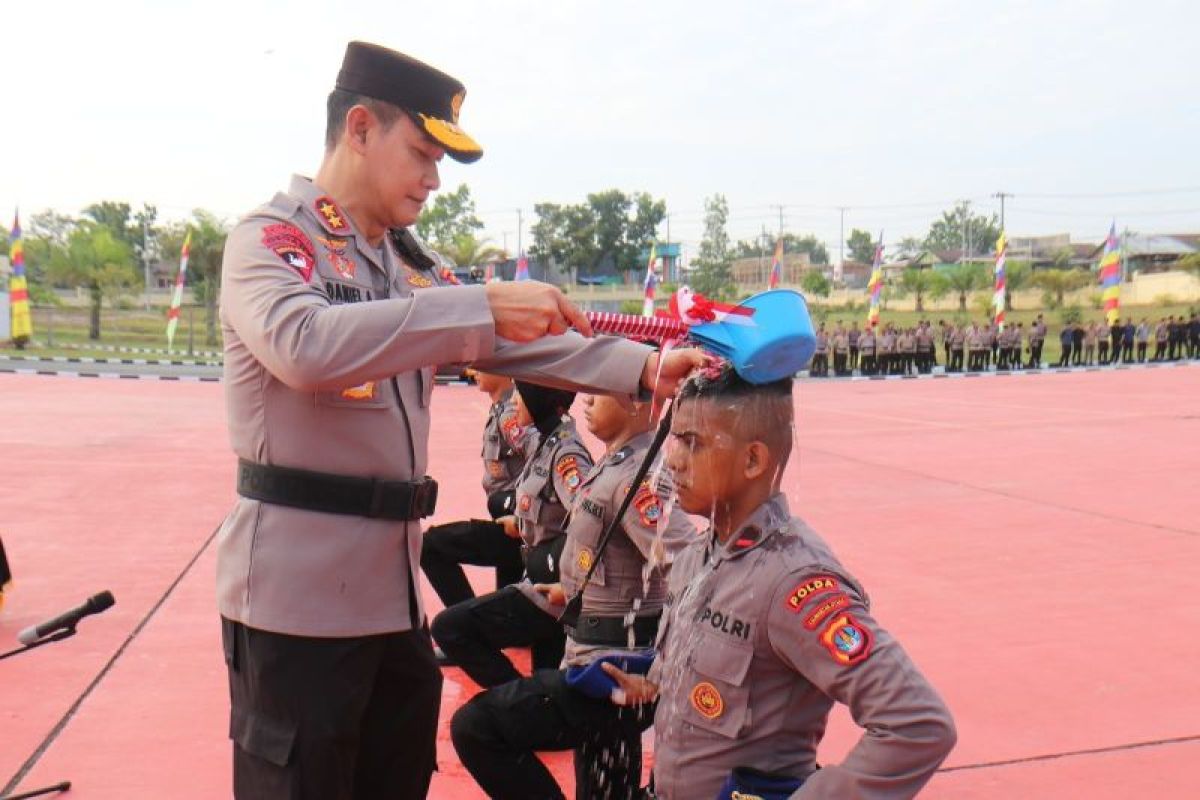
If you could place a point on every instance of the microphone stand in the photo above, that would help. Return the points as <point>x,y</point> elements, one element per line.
<point>58,636</point>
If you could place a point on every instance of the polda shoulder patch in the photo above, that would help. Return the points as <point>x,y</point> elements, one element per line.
<point>292,246</point>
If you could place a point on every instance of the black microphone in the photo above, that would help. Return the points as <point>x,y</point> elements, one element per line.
<point>94,605</point>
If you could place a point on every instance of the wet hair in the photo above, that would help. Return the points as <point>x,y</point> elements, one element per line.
<point>341,101</point>
<point>546,405</point>
<point>763,410</point>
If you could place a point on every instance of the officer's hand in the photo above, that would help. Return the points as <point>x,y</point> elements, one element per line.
<point>509,523</point>
<point>632,690</point>
<point>553,591</point>
<point>529,310</point>
<point>676,366</point>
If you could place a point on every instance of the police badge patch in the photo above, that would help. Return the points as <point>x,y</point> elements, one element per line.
<point>648,507</point>
<point>846,640</point>
<point>568,469</point>
<point>292,246</point>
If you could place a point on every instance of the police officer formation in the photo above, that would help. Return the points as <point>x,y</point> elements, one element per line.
<point>983,346</point>
<point>335,316</point>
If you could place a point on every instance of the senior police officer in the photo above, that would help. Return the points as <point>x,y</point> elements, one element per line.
<point>333,322</point>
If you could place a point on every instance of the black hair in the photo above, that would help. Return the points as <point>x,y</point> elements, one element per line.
<point>341,101</point>
<point>764,410</point>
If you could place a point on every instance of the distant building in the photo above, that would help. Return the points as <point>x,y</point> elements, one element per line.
<point>757,269</point>
<point>1149,252</point>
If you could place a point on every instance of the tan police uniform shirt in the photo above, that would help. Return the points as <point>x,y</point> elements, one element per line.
<point>761,636</point>
<point>503,446</point>
<point>545,492</point>
<point>329,351</point>
<point>630,580</point>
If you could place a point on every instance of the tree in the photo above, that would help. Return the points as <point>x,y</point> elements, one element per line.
<point>861,246</point>
<point>909,247</point>
<point>611,225</point>
<point>813,281</point>
<point>964,279</point>
<point>792,243</point>
<point>467,251</point>
<point>1189,263</point>
<point>93,258</point>
<point>449,217</point>
<point>712,275</point>
<point>1016,276</point>
<point>922,283</point>
<point>958,228</point>
<point>1057,282</point>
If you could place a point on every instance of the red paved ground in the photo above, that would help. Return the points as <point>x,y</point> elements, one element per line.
<point>1033,541</point>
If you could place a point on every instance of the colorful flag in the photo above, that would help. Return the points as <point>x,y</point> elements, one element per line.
<point>18,287</point>
<point>1110,276</point>
<point>875,286</point>
<point>651,283</point>
<point>998,295</point>
<point>522,269</point>
<point>177,297</point>
<point>776,266</point>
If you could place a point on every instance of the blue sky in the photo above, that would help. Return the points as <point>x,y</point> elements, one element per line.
<point>1084,111</point>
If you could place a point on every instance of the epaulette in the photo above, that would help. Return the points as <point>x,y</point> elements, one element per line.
<point>622,454</point>
<point>412,249</point>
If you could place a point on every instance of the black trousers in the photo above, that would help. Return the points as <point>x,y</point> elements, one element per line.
<point>475,633</point>
<point>497,733</point>
<point>1035,354</point>
<point>331,719</point>
<point>479,542</point>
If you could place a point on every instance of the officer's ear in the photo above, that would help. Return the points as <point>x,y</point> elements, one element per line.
<point>757,460</point>
<point>358,123</point>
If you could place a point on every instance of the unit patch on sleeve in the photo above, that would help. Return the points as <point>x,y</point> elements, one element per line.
<point>824,609</point>
<point>568,469</point>
<point>648,506</point>
<point>292,246</point>
<point>808,589</point>
<point>707,700</point>
<point>846,640</point>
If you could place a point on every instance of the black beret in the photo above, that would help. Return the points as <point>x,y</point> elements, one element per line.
<point>431,97</point>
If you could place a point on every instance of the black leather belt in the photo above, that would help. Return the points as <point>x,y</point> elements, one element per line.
<point>337,494</point>
<point>612,631</point>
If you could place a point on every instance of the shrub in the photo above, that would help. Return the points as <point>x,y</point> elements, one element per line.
<point>1070,314</point>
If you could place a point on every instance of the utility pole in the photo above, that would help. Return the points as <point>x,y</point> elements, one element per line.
<point>1002,195</point>
<point>966,254</point>
<point>841,265</point>
<point>146,259</point>
<point>520,223</point>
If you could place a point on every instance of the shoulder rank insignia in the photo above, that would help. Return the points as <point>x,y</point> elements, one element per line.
<point>847,640</point>
<point>568,469</point>
<point>620,455</point>
<point>331,216</point>
<point>336,250</point>
<point>292,246</point>
<point>808,589</point>
<point>648,507</point>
